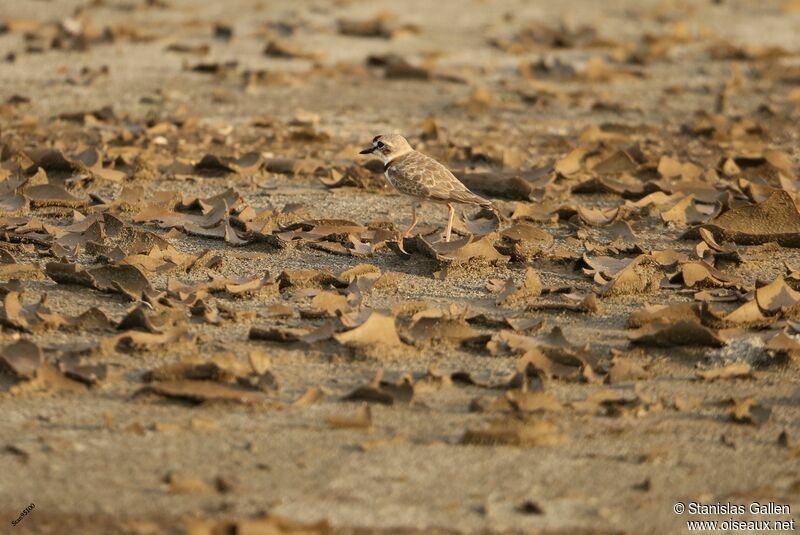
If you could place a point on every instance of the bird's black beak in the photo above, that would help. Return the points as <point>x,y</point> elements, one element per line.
<point>368,150</point>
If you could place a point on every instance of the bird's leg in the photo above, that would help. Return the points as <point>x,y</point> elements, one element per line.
<point>413,222</point>
<point>405,233</point>
<point>450,213</point>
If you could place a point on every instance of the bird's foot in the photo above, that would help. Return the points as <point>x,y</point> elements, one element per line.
<point>401,236</point>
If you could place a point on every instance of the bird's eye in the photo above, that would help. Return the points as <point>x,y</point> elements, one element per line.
<point>380,144</point>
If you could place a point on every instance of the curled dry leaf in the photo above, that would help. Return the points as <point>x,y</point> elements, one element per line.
<point>624,370</point>
<point>48,379</point>
<point>383,392</point>
<point>688,211</point>
<point>139,341</point>
<point>749,411</point>
<point>25,360</point>
<point>398,68</point>
<point>305,278</point>
<point>532,402</point>
<point>681,332</point>
<point>201,392</point>
<point>52,195</point>
<point>361,270</point>
<point>736,370</point>
<point>88,374</point>
<point>127,280</point>
<point>774,220</point>
<point>138,319</point>
<point>185,48</point>
<point>278,334</point>
<point>362,420</point>
<point>222,368</point>
<point>521,432</point>
<point>461,250</point>
<point>570,302</point>
<point>621,231</point>
<point>215,68</point>
<point>642,275</point>
<point>771,301</point>
<point>22,358</point>
<point>309,397</point>
<point>353,175</point>
<point>527,292</point>
<point>382,25</point>
<point>498,185</point>
<point>377,332</point>
<point>277,48</point>
<point>551,364</point>
<point>624,185</point>
<point>549,355</point>
<point>598,216</point>
<point>747,314</point>
<point>213,165</point>
<point>524,242</point>
<point>485,222</point>
<point>609,402</point>
<point>434,326</point>
<point>186,485</point>
<point>535,36</point>
<point>257,285</point>
<point>701,275</point>
<point>669,313</point>
<point>777,297</point>
<point>720,252</point>
<point>605,266</point>
<point>784,345</point>
<point>264,524</point>
<point>328,304</point>
<point>20,272</point>
<point>28,318</point>
<point>572,163</point>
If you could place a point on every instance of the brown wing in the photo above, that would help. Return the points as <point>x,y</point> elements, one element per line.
<point>422,176</point>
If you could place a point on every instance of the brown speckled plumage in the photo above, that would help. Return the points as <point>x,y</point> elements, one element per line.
<point>421,176</point>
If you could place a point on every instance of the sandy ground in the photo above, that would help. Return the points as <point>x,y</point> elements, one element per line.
<point>101,460</point>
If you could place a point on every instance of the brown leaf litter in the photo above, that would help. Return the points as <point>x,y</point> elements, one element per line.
<point>667,331</point>
<point>383,25</point>
<point>25,360</point>
<point>527,432</point>
<point>749,411</point>
<point>773,220</point>
<point>383,392</point>
<point>198,392</point>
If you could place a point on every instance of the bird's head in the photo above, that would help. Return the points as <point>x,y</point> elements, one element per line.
<point>388,147</point>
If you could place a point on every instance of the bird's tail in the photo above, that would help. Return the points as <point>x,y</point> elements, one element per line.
<point>468,197</point>
<point>485,203</point>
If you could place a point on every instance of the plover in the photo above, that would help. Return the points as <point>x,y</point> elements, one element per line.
<point>420,176</point>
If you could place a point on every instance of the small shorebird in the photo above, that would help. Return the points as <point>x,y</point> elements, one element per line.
<point>420,176</point>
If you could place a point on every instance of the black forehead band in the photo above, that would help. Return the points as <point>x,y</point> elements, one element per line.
<point>376,138</point>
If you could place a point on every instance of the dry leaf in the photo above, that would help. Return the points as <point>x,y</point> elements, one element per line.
<point>202,391</point>
<point>749,411</point>
<point>514,432</point>
<point>736,370</point>
<point>22,358</point>
<point>378,331</point>
<point>776,219</point>
<point>362,420</point>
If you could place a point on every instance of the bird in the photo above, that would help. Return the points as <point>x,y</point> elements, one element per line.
<point>420,176</point>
